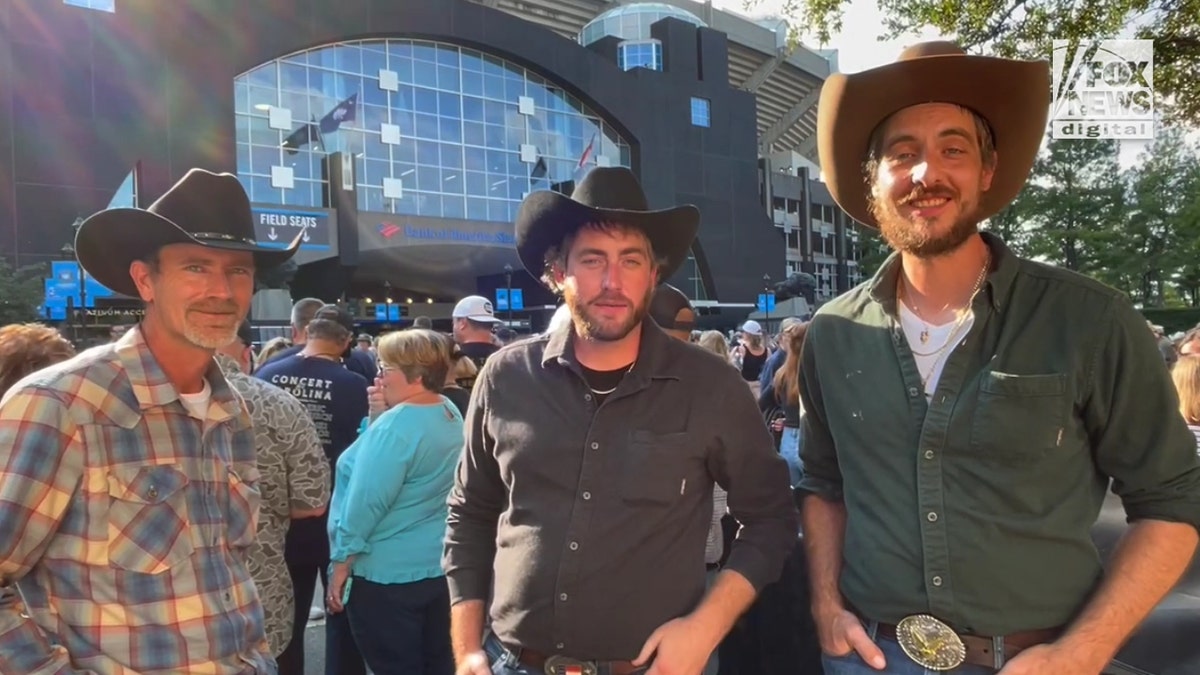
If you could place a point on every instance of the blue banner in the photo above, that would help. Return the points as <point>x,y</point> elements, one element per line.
<point>394,312</point>
<point>766,302</point>
<point>518,299</point>
<point>381,313</point>
<point>501,299</point>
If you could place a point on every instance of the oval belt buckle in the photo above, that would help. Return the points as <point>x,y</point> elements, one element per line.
<point>561,665</point>
<point>930,642</point>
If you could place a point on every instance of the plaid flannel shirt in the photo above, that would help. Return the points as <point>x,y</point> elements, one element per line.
<point>124,523</point>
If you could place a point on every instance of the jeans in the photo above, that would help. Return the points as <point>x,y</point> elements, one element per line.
<point>898,663</point>
<point>789,447</point>
<point>304,585</point>
<point>402,629</point>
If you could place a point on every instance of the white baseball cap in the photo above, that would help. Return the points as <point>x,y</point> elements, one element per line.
<point>752,327</point>
<point>475,308</point>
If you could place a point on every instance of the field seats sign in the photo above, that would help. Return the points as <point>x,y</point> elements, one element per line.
<point>277,227</point>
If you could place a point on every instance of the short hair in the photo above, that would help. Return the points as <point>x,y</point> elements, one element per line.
<point>418,353</point>
<point>1186,375</point>
<point>423,322</point>
<point>556,256</point>
<point>27,348</point>
<point>304,311</point>
<point>983,130</point>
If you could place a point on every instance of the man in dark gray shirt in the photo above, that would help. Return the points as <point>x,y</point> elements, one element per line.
<point>583,499</point>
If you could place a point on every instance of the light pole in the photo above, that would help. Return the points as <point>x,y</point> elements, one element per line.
<point>387,298</point>
<point>68,251</point>
<point>508,283</point>
<point>767,302</point>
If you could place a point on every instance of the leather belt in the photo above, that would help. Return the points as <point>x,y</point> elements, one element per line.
<point>537,660</point>
<point>979,648</point>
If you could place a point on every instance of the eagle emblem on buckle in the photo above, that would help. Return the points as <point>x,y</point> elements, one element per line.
<point>561,665</point>
<point>930,642</point>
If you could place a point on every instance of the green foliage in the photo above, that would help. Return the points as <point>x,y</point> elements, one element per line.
<point>21,291</point>
<point>1025,29</point>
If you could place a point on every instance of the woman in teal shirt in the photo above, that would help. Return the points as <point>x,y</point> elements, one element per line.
<point>388,514</point>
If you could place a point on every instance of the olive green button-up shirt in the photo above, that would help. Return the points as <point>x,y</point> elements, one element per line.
<point>975,505</point>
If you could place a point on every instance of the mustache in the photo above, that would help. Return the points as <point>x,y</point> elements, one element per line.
<point>922,193</point>
<point>614,299</point>
<point>215,307</point>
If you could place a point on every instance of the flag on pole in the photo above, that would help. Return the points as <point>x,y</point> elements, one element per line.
<point>345,111</point>
<point>587,153</point>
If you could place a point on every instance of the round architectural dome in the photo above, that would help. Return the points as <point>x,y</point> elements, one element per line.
<point>632,22</point>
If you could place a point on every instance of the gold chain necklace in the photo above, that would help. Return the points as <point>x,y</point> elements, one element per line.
<point>924,335</point>
<point>939,353</point>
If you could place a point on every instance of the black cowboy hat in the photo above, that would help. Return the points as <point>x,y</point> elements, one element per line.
<point>203,208</point>
<point>609,195</point>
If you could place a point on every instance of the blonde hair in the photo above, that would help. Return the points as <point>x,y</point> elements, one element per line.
<point>463,368</point>
<point>418,353</point>
<point>713,341</point>
<point>26,348</point>
<point>1186,375</point>
<point>271,350</point>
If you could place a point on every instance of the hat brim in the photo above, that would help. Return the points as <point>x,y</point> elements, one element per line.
<point>546,218</point>
<point>1013,96</point>
<point>109,241</point>
<point>480,319</point>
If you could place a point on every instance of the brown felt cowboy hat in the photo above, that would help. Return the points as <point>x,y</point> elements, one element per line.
<point>1012,96</point>
<point>606,195</point>
<point>203,208</point>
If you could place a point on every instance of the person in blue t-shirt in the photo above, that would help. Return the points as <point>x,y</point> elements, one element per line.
<point>355,360</point>
<point>336,399</point>
<point>388,514</point>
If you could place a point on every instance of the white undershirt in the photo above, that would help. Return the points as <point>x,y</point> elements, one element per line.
<point>930,366</point>
<point>197,404</point>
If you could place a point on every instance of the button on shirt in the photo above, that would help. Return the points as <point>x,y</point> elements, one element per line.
<point>976,503</point>
<point>126,522</point>
<point>595,518</point>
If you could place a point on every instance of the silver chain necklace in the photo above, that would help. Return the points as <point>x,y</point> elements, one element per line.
<point>606,392</point>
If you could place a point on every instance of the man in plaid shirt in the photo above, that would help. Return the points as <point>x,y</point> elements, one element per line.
<point>128,485</point>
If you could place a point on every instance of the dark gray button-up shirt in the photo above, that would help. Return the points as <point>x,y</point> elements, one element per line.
<point>591,521</point>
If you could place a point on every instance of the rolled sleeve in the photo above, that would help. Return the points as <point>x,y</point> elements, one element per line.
<point>475,503</point>
<point>822,475</point>
<point>756,479</point>
<point>1132,416</point>
<point>382,461</point>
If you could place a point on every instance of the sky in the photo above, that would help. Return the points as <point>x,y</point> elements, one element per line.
<point>859,48</point>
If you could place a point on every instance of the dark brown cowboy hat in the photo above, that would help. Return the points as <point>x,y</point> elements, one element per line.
<point>1012,96</point>
<point>609,195</point>
<point>203,208</point>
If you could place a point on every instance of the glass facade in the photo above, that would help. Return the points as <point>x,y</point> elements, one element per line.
<point>700,112</point>
<point>102,5</point>
<point>632,22</point>
<point>640,54</point>
<point>126,194</point>
<point>434,129</point>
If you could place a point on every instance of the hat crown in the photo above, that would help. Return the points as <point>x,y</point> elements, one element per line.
<point>611,188</point>
<point>207,202</point>
<point>932,48</point>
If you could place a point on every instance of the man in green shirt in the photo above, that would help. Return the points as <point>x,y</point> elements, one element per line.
<point>966,410</point>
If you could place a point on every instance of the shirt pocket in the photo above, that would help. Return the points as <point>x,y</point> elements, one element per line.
<point>245,500</point>
<point>148,525</point>
<point>1019,417</point>
<point>660,468</point>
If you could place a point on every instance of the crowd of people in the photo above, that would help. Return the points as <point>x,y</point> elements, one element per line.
<point>903,484</point>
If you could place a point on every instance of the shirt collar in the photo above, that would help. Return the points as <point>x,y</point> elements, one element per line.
<point>651,362</point>
<point>998,284</point>
<point>151,386</point>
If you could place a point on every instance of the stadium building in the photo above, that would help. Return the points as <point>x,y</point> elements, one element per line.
<point>401,135</point>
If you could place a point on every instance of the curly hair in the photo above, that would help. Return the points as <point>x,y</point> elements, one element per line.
<point>27,348</point>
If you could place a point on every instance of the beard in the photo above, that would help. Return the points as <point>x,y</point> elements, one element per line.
<point>590,326</point>
<point>210,336</point>
<point>915,235</point>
